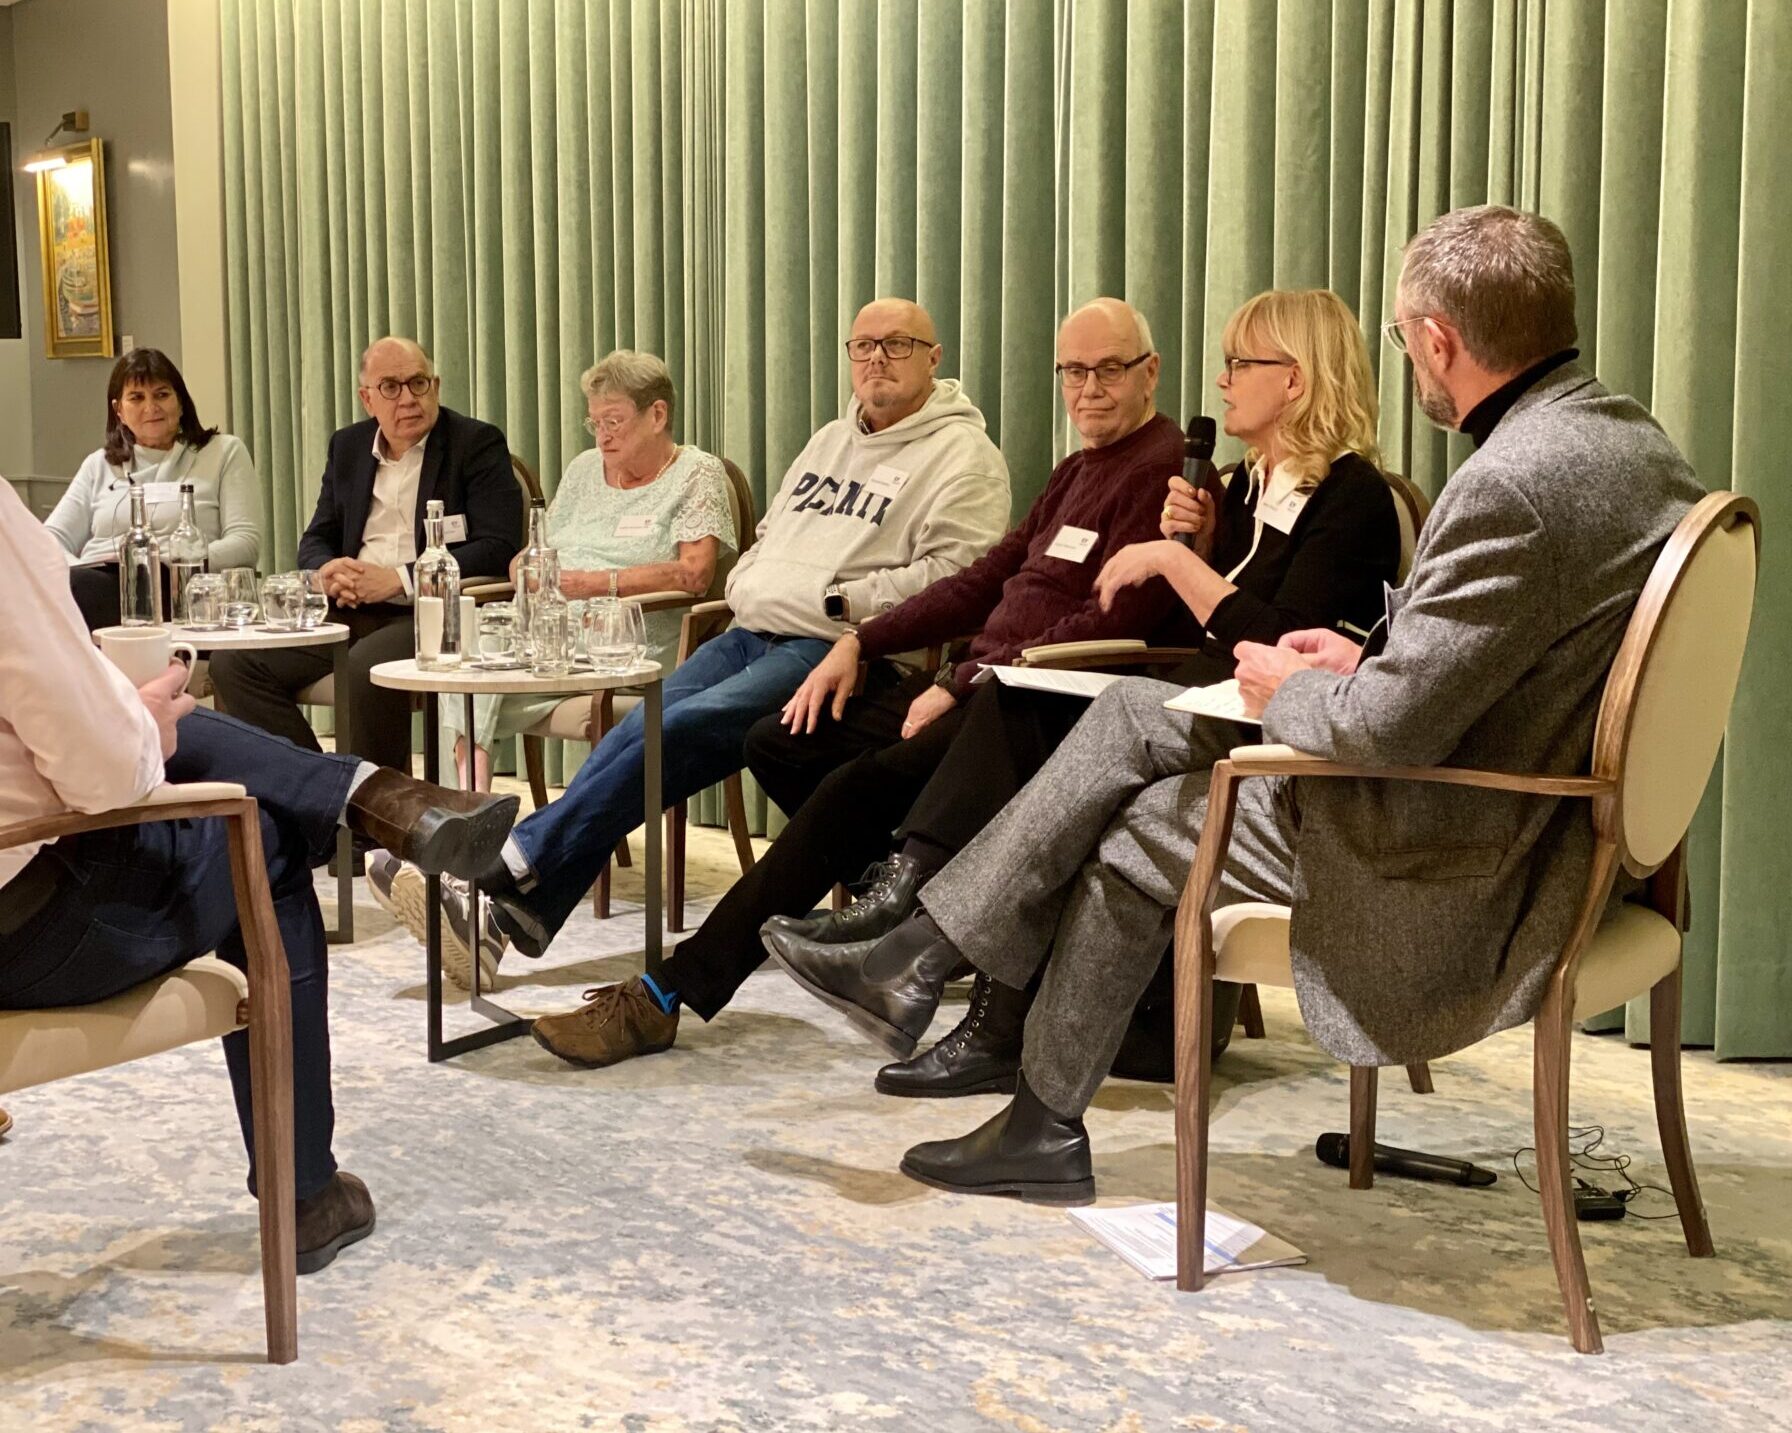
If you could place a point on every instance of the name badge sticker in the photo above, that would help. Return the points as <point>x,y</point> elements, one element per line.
<point>1280,512</point>
<point>161,492</point>
<point>454,527</point>
<point>635,525</point>
<point>886,481</point>
<point>1073,544</point>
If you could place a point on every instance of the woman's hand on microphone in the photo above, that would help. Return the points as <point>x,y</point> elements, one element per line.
<point>1188,509</point>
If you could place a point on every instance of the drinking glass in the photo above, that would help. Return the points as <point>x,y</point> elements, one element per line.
<point>282,602</point>
<point>617,638</point>
<point>550,631</point>
<point>204,602</point>
<point>316,609</point>
<point>242,604</point>
<point>497,649</point>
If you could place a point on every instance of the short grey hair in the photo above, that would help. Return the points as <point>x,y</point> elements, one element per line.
<point>1503,279</point>
<point>642,378</point>
<point>1113,305</point>
<point>429,366</point>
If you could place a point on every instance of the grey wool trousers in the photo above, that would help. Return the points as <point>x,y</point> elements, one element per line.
<point>1083,870</point>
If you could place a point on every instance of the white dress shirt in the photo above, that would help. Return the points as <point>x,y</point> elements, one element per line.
<point>390,537</point>
<point>74,735</point>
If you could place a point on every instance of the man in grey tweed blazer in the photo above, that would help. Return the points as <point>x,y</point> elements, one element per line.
<point>1424,917</point>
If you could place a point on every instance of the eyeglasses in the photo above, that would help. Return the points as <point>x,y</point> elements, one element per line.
<point>897,345</point>
<point>1232,365</point>
<point>417,385</point>
<point>1075,375</point>
<point>1395,332</point>
<point>606,426</point>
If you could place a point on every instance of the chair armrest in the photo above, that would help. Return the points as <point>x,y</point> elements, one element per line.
<point>1276,760</point>
<point>702,620</point>
<point>1053,653</point>
<point>489,591</point>
<point>1104,656</point>
<point>165,803</point>
<point>667,601</point>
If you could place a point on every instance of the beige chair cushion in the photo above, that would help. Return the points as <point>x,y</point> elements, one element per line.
<point>1250,942</point>
<point>320,694</point>
<point>197,1002</point>
<point>1629,952</point>
<point>1684,697</point>
<point>567,721</point>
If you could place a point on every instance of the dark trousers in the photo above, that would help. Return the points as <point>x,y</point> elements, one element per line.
<point>850,786</point>
<point>97,595</point>
<point>135,902</point>
<point>262,688</point>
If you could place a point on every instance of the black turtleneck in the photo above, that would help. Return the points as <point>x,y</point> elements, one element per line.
<point>1484,417</point>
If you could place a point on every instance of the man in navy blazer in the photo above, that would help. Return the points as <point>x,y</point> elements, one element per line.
<point>363,542</point>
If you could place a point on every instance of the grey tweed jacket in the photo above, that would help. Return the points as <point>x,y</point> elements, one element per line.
<point>1428,917</point>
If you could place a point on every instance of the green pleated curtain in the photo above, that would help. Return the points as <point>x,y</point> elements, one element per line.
<point>524,184</point>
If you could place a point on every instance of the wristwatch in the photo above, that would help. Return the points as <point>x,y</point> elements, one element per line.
<point>835,605</point>
<point>944,676</point>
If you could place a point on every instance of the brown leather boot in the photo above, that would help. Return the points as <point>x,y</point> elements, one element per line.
<point>437,830</point>
<point>339,1214</point>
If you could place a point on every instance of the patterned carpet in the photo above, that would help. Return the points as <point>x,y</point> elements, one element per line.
<point>717,1238</point>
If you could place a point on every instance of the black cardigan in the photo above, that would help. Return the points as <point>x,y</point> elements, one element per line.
<point>1329,568</point>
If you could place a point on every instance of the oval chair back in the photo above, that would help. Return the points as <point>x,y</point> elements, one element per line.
<point>1412,507</point>
<point>1668,698</point>
<point>746,525</point>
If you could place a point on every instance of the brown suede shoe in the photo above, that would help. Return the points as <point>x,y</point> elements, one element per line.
<point>616,1023</point>
<point>339,1214</point>
<point>437,830</point>
<point>5,1123</point>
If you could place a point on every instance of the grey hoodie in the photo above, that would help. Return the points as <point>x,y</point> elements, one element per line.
<point>880,514</point>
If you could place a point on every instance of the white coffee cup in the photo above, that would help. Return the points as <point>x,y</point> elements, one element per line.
<point>143,653</point>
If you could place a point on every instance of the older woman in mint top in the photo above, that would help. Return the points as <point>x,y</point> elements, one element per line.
<point>639,505</point>
<point>154,439</point>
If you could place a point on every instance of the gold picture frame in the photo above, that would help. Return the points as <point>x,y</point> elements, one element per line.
<point>71,220</point>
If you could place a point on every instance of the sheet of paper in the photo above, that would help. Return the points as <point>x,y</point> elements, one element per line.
<point>1221,700</point>
<point>1046,679</point>
<point>1145,1236</point>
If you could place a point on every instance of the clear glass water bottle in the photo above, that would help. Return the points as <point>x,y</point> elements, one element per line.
<point>187,552</point>
<point>552,634</point>
<point>139,570</point>
<point>437,598</point>
<point>529,572</point>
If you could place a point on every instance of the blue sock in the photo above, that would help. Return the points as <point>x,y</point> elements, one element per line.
<point>667,1000</point>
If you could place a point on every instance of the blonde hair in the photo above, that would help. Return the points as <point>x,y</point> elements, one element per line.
<point>1337,413</point>
<point>642,378</point>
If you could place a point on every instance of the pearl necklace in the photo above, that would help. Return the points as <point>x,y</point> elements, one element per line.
<point>630,487</point>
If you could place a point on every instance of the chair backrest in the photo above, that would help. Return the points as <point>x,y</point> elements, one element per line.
<point>531,486</point>
<point>746,525</point>
<point>1668,698</point>
<point>1412,507</point>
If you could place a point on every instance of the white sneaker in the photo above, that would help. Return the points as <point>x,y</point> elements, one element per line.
<point>403,892</point>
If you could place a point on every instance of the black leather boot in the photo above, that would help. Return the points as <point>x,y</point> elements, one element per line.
<point>980,1056</point>
<point>890,900</point>
<point>888,988</point>
<point>1027,1150</point>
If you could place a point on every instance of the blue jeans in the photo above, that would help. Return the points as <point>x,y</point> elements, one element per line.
<point>710,703</point>
<point>135,902</point>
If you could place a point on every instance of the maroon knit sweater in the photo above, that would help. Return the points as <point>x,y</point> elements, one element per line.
<point>1015,596</point>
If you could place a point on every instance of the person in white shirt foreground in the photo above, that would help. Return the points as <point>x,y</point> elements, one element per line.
<point>91,915</point>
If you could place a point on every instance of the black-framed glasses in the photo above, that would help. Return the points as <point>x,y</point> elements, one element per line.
<point>896,345</point>
<point>1232,364</point>
<point>1107,373</point>
<point>417,385</point>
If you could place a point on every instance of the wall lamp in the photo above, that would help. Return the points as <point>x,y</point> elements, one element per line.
<point>74,121</point>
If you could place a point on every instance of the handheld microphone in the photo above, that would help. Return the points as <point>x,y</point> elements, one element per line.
<point>1334,1149</point>
<point>1197,466</point>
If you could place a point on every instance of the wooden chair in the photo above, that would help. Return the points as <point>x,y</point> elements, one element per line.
<point>1411,508</point>
<point>1662,717</point>
<point>588,719</point>
<point>202,1000</point>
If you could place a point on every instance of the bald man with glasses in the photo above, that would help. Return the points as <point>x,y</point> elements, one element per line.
<point>364,539</point>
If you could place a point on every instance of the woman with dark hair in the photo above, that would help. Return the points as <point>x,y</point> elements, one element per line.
<point>154,439</point>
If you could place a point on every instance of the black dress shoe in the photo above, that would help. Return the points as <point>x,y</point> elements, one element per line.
<point>517,923</point>
<point>980,1056</point>
<point>439,831</point>
<point>890,900</point>
<point>889,988</point>
<point>339,1214</point>
<point>1027,1150</point>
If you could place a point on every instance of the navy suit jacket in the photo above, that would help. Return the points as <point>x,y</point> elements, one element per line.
<point>466,464</point>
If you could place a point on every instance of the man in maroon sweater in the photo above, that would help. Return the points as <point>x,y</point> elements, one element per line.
<point>865,758</point>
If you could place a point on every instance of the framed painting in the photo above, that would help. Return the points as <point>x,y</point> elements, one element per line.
<point>71,216</point>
